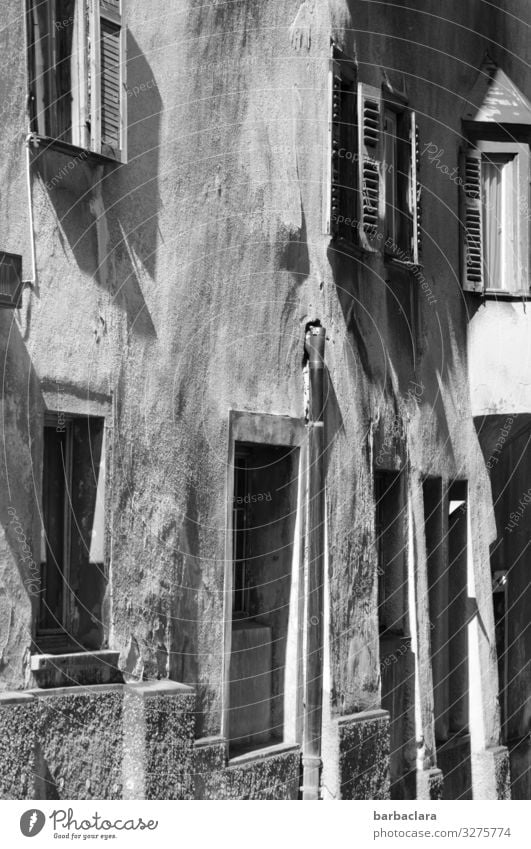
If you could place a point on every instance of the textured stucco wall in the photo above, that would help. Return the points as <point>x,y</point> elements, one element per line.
<point>364,756</point>
<point>78,739</point>
<point>17,746</point>
<point>275,776</point>
<point>181,283</point>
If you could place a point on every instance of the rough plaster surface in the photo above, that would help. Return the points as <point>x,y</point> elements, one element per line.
<point>364,756</point>
<point>272,776</point>
<point>169,733</point>
<point>79,744</point>
<point>17,747</point>
<point>146,275</point>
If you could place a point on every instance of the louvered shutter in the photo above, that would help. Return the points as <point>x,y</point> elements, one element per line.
<point>108,129</point>
<point>416,192</point>
<point>472,268</point>
<point>344,146</point>
<point>369,149</point>
<point>335,133</point>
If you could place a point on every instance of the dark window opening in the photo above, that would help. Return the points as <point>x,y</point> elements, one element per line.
<point>72,562</point>
<point>397,667</point>
<point>398,181</point>
<point>458,595</point>
<point>438,595</point>
<point>264,514</point>
<point>446,531</point>
<point>391,524</point>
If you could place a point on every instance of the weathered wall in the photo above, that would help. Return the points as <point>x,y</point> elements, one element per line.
<point>181,284</point>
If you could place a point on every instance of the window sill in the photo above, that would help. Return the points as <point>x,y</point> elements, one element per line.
<point>48,143</point>
<point>454,741</point>
<point>265,752</point>
<point>503,295</point>
<point>352,249</point>
<point>406,265</point>
<point>76,668</point>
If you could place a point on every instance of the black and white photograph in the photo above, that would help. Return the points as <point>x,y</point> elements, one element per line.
<point>265,419</point>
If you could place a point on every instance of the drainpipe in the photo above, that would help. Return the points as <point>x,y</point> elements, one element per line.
<point>313,704</point>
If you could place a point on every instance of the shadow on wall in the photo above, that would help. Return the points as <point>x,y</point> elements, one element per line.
<point>107,215</point>
<point>20,471</point>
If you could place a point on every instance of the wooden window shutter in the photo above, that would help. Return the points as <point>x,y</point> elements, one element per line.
<point>416,192</point>
<point>335,132</point>
<point>343,150</point>
<point>472,269</point>
<point>109,102</point>
<point>369,166</point>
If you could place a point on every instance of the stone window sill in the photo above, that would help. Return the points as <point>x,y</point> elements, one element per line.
<point>76,668</point>
<point>266,752</point>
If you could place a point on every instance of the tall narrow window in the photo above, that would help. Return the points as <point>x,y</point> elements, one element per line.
<point>240,596</point>
<point>73,569</point>
<point>77,73</point>
<point>500,220</point>
<point>57,472</point>
<point>396,659</point>
<point>457,573</point>
<point>494,216</point>
<point>446,530</point>
<point>400,185</point>
<point>438,598</point>
<point>264,513</point>
<point>391,168</point>
<point>344,152</point>
<point>391,545</point>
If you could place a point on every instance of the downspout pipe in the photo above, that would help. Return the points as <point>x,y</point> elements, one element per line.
<point>313,703</point>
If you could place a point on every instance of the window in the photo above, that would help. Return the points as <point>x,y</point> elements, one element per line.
<point>374,168</point>
<point>398,163</point>
<point>77,73</point>
<point>390,527</point>
<point>438,598</point>
<point>397,667</point>
<point>344,129</point>
<point>72,556</point>
<point>264,510</point>
<point>446,534</point>
<point>495,203</point>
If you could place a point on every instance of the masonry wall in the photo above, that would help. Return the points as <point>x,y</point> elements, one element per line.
<point>178,286</point>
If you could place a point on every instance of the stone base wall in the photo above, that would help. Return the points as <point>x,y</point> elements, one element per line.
<point>364,756</point>
<point>158,735</point>
<point>17,746</point>
<point>78,743</point>
<point>132,741</point>
<point>101,742</point>
<point>272,773</point>
<point>430,783</point>
<point>136,741</point>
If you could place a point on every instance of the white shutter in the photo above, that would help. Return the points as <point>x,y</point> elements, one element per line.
<point>369,156</point>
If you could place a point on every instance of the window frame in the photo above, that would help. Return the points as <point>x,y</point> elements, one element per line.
<point>65,421</point>
<point>281,431</point>
<point>91,78</point>
<point>57,421</point>
<point>480,148</point>
<point>342,70</point>
<point>366,233</point>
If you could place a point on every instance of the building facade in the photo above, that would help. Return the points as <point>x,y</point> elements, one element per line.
<point>262,463</point>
